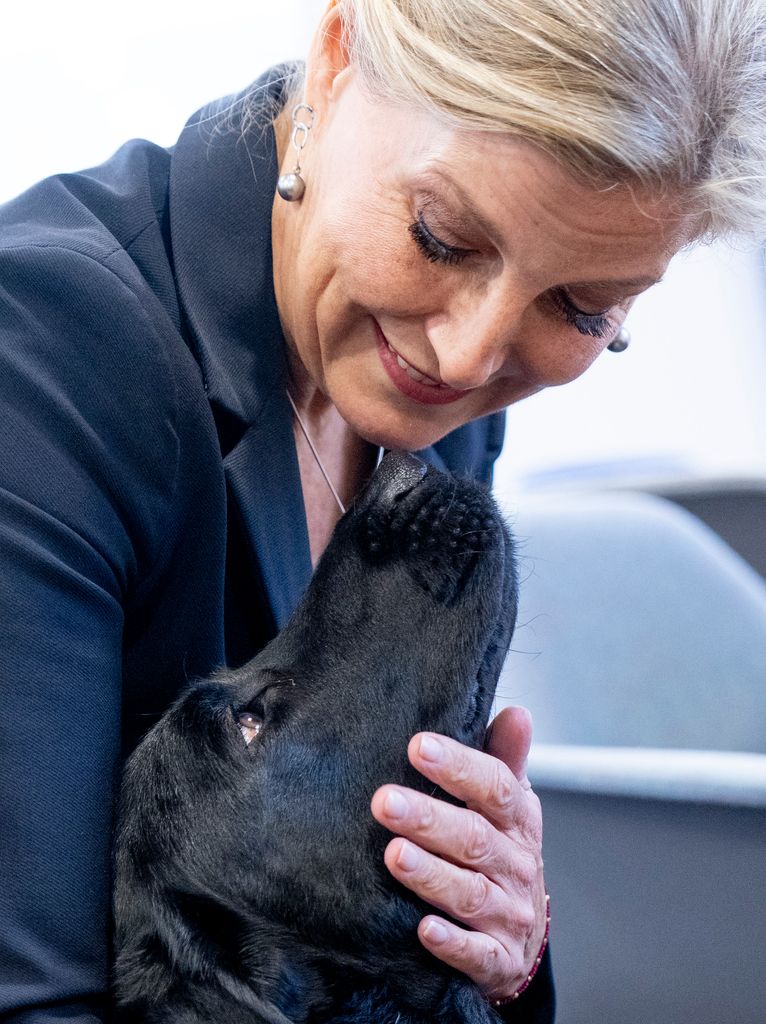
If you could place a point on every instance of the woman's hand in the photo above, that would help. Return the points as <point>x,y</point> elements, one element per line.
<point>481,864</point>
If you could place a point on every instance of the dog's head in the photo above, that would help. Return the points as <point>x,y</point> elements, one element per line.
<point>247,851</point>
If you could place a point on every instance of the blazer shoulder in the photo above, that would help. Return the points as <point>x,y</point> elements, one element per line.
<point>91,378</point>
<point>95,211</point>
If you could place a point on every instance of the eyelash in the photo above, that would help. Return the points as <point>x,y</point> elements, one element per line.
<point>594,325</point>
<point>433,248</point>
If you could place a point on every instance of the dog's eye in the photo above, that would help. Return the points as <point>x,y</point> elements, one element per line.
<point>249,725</point>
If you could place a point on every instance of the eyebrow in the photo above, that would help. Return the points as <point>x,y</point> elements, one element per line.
<point>434,173</point>
<point>630,282</point>
<point>491,232</point>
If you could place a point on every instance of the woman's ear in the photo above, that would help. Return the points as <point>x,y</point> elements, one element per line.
<point>328,65</point>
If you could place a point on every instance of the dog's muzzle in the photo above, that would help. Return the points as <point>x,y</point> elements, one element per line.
<point>397,474</point>
<point>440,526</point>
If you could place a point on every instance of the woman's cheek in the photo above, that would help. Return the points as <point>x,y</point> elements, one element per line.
<point>390,283</point>
<point>553,357</point>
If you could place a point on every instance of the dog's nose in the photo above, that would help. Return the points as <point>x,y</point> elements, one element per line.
<point>397,474</point>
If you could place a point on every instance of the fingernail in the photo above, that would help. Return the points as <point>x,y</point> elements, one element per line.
<point>435,932</point>
<point>408,858</point>
<point>396,804</point>
<point>431,749</point>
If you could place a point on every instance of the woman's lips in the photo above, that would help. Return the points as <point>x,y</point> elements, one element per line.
<point>404,377</point>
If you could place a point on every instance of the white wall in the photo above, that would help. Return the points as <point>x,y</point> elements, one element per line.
<point>78,78</point>
<point>689,393</point>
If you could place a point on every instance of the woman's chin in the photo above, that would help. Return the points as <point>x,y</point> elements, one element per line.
<point>382,415</point>
<point>391,428</point>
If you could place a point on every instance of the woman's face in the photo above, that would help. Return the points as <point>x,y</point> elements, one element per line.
<point>430,276</point>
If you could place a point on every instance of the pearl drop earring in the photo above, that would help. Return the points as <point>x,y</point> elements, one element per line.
<point>291,186</point>
<point>620,341</point>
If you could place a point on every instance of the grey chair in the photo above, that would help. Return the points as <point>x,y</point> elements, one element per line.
<point>735,509</point>
<point>641,652</point>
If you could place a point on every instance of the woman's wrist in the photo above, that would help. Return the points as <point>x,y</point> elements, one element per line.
<point>538,960</point>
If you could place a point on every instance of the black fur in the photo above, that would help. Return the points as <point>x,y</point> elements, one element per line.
<point>250,878</point>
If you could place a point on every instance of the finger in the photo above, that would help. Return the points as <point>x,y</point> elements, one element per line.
<point>509,738</point>
<point>457,834</point>
<point>467,896</point>
<point>481,781</point>
<point>485,960</point>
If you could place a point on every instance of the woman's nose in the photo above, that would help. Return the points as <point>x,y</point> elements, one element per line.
<point>474,340</point>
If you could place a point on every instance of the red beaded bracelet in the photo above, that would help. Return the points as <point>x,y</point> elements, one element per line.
<point>527,981</point>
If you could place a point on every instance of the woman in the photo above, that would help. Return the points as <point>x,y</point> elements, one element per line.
<point>482,189</point>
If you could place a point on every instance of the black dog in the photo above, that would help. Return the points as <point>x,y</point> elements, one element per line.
<point>250,877</point>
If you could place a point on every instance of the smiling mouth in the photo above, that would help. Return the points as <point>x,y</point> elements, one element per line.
<point>409,380</point>
<point>421,378</point>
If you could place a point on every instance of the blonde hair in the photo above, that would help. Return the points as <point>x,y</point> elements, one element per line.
<point>667,93</point>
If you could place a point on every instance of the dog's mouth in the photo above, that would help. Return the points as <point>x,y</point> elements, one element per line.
<point>439,527</point>
<point>451,541</point>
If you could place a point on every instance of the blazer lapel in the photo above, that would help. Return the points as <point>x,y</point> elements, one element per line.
<point>223,180</point>
<point>264,479</point>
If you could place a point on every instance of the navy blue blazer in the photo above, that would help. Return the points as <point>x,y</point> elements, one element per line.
<point>151,517</point>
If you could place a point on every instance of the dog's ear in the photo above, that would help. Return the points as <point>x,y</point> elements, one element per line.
<point>464,1003</point>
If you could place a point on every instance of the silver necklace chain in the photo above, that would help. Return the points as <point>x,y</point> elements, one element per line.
<point>315,453</point>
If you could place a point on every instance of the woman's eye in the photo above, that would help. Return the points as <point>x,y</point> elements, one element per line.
<point>433,248</point>
<point>249,725</point>
<point>595,325</point>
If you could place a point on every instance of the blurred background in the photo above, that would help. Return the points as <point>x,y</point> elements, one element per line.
<point>638,496</point>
